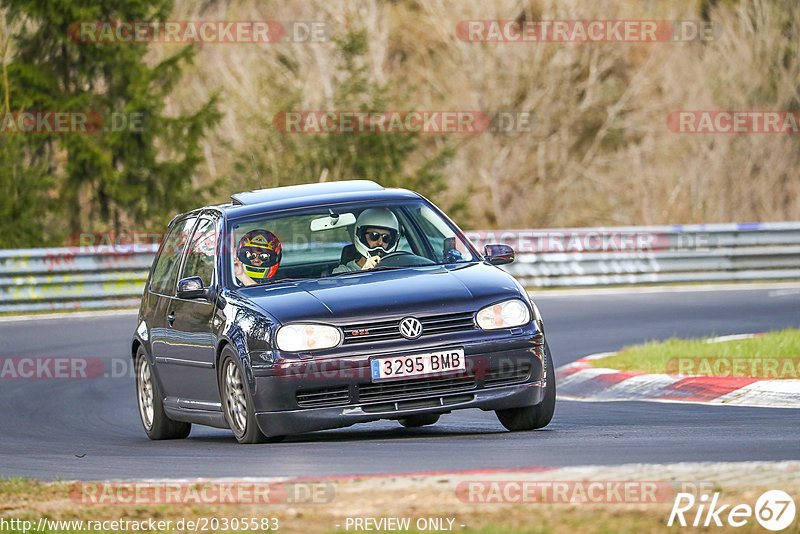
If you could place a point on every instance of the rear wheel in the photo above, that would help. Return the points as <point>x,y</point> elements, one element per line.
<point>156,424</point>
<point>237,403</point>
<point>413,421</point>
<point>539,415</point>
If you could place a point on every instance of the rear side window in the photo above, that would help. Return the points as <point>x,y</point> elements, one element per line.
<point>163,279</point>
<point>200,255</point>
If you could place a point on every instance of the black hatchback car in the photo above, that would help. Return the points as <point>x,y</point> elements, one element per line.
<point>319,306</point>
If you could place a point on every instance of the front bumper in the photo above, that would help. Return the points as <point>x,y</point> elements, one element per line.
<point>338,392</point>
<point>310,419</point>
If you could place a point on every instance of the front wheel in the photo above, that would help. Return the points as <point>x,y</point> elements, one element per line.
<point>156,424</point>
<point>237,403</point>
<point>539,415</point>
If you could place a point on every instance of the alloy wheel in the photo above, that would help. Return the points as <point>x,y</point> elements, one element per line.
<point>235,397</point>
<point>144,384</point>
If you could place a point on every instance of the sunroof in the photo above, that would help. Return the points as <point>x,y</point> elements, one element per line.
<point>293,191</point>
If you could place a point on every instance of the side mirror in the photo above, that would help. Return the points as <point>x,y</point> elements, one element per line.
<point>498,254</point>
<point>192,288</point>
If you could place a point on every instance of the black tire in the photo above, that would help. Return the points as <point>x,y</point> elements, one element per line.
<point>538,415</point>
<point>156,424</point>
<point>237,402</point>
<point>414,421</point>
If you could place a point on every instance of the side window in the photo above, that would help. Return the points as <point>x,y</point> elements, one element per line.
<point>200,255</point>
<point>163,280</point>
<point>446,246</point>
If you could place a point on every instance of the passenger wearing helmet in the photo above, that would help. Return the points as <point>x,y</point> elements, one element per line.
<point>257,257</point>
<point>374,235</point>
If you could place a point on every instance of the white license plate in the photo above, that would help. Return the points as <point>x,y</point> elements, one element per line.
<point>432,363</point>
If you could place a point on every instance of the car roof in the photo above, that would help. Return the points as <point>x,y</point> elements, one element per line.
<point>306,195</point>
<point>260,196</point>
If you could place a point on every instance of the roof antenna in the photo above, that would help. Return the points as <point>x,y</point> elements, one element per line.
<point>256,168</point>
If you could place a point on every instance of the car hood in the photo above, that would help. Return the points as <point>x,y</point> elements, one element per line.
<point>387,294</point>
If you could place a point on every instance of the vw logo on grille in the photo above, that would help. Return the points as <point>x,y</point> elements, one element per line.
<point>410,328</point>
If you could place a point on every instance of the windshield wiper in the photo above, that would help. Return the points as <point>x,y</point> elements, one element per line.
<point>457,263</point>
<point>344,272</point>
<point>362,271</point>
<point>390,267</point>
<point>285,280</point>
<point>279,281</point>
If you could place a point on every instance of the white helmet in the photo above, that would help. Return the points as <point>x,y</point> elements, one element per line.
<point>382,219</point>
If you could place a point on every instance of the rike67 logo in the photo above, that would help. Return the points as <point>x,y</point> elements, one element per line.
<point>774,510</point>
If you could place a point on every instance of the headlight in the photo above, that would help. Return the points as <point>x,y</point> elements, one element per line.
<point>506,314</point>
<point>301,337</point>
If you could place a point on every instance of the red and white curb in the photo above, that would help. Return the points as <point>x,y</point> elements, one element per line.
<point>580,380</point>
<point>726,474</point>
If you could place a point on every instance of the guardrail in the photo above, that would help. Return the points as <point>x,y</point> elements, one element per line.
<point>73,277</point>
<point>651,254</point>
<point>114,276</point>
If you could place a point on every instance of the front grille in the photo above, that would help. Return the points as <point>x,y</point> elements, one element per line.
<point>430,402</point>
<point>499,377</point>
<point>335,396</point>
<point>426,390</point>
<point>389,330</point>
<point>420,387</point>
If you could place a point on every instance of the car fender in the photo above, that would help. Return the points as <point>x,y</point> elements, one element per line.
<point>141,336</point>
<point>248,330</point>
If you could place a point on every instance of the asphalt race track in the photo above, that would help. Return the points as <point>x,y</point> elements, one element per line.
<point>90,429</point>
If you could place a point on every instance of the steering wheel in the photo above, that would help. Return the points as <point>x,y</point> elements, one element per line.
<point>403,258</point>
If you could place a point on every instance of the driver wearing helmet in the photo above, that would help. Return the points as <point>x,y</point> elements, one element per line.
<point>374,235</point>
<point>257,257</point>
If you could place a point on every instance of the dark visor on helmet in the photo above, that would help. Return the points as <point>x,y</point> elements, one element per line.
<point>386,237</point>
<point>268,259</point>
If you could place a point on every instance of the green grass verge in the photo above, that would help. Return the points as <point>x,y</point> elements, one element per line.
<point>774,355</point>
<point>30,500</point>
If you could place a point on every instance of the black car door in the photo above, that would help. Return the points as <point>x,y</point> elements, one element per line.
<point>160,292</point>
<point>190,346</point>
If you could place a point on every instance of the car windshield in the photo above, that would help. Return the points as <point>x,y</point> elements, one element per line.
<point>340,240</point>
